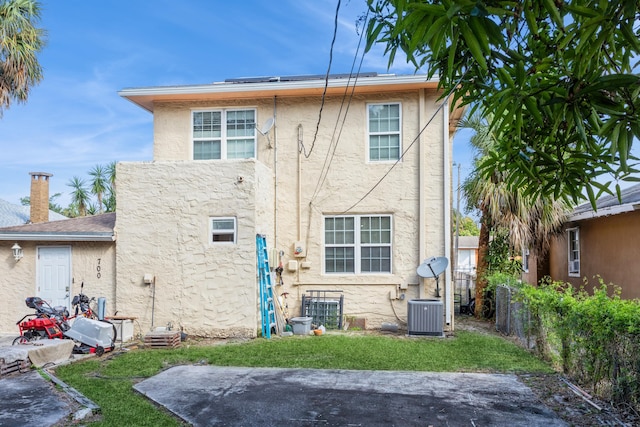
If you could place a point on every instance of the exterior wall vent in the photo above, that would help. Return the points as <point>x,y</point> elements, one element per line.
<point>425,317</point>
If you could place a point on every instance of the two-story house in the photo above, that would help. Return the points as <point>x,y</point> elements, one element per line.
<point>348,179</point>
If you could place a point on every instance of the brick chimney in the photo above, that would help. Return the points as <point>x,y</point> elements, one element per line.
<point>39,197</point>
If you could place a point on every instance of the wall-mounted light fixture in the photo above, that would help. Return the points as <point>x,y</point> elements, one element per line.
<point>17,251</point>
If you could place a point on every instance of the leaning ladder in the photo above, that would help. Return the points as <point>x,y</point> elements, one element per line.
<point>267,308</point>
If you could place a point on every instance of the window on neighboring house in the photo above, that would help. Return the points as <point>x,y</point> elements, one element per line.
<point>223,230</point>
<point>574,252</point>
<point>525,260</point>
<point>357,244</point>
<point>224,134</point>
<point>384,132</point>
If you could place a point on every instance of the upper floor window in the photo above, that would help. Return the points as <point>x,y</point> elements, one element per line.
<point>222,230</point>
<point>574,251</point>
<point>357,244</point>
<point>224,134</point>
<point>384,131</point>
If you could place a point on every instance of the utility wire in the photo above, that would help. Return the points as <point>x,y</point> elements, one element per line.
<point>445,102</point>
<point>334,141</point>
<point>326,84</point>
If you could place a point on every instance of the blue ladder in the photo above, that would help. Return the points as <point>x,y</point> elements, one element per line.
<point>267,308</point>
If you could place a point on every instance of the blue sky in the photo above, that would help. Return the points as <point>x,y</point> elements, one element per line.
<point>74,119</point>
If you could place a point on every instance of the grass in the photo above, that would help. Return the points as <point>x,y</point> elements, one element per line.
<point>108,381</point>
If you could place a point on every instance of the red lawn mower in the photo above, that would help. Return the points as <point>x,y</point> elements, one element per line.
<point>91,335</point>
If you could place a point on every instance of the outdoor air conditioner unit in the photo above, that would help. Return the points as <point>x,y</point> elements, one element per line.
<point>425,317</point>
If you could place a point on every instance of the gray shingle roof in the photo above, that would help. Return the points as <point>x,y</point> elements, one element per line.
<point>11,214</point>
<point>630,195</point>
<point>88,228</point>
<point>466,242</point>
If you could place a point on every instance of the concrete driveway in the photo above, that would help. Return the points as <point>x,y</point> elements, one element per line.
<point>230,396</point>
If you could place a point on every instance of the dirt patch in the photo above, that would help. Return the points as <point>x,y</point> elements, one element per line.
<point>554,391</point>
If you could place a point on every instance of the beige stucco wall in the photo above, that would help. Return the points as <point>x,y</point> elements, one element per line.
<point>19,278</point>
<point>303,195</point>
<point>163,227</point>
<point>608,248</point>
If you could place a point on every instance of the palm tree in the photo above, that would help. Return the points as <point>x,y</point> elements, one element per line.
<point>80,195</point>
<point>529,221</point>
<point>99,184</point>
<point>20,42</point>
<point>110,203</point>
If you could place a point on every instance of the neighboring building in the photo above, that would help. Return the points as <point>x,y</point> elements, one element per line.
<point>54,258</point>
<point>351,188</point>
<point>601,243</point>
<point>467,254</point>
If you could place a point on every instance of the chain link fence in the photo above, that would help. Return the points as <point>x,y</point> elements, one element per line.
<point>465,291</point>
<point>512,317</point>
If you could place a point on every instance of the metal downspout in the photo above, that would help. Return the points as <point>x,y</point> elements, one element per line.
<point>275,177</point>
<point>422,220</point>
<point>446,172</point>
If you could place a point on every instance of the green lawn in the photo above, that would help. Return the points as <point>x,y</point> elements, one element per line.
<point>108,381</point>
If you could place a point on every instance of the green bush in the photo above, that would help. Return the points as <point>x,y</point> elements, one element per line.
<point>595,337</point>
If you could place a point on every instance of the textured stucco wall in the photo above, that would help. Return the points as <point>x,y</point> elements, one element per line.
<point>19,279</point>
<point>305,191</point>
<point>163,228</point>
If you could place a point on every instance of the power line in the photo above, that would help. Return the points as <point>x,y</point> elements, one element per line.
<point>405,151</point>
<point>325,172</point>
<point>326,84</point>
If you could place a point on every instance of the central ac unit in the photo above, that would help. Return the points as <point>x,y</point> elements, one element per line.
<point>425,317</point>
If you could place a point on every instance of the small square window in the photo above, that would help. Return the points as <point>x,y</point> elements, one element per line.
<point>222,230</point>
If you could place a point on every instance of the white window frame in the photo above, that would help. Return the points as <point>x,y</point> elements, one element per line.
<point>224,138</point>
<point>525,260</point>
<point>357,245</point>
<point>223,232</point>
<point>573,255</point>
<point>371,133</point>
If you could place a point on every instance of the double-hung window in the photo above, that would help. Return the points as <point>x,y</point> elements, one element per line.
<point>383,122</point>
<point>222,230</point>
<point>224,134</point>
<point>357,244</point>
<point>574,251</point>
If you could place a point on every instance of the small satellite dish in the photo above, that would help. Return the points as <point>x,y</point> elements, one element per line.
<point>266,127</point>
<point>433,267</point>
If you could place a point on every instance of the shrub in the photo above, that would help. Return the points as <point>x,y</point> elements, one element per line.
<point>596,337</point>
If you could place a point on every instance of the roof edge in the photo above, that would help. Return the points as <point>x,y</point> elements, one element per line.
<point>59,237</point>
<point>608,211</point>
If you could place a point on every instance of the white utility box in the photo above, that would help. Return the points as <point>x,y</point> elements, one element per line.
<point>124,327</point>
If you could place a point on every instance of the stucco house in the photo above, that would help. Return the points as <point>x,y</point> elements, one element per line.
<point>51,257</point>
<point>349,180</point>
<point>602,242</point>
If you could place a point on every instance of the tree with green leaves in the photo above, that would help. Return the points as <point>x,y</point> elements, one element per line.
<point>558,78</point>
<point>26,201</point>
<point>80,197</point>
<point>466,225</point>
<point>529,221</point>
<point>20,42</point>
<point>110,200</point>
<point>99,185</point>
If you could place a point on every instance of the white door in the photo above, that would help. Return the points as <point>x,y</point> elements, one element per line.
<point>54,274</point>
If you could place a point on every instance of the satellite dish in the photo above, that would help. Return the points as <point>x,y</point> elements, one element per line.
<point>266,127</point>
<point>433,267</point>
